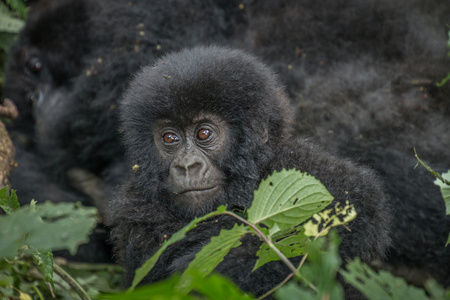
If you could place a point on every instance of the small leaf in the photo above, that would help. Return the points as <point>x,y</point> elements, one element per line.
<point>8,203</point>
<point>290,246</point>
<point>445,190</point>
<point>288,198</point>
<point>24,296</point>
<point>321,223</point>
<point>212,254</point>
<point>44,261</point>
<point>177,236</point>
<point>381,285</point>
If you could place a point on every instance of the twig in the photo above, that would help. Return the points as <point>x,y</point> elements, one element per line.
<point>267,241</point>
<point>71,282</point>
<point>436,174</point>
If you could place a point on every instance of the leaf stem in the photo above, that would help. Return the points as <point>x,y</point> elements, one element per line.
<point>71,282</point>
<point>436,174</point>
<point>267,241</point>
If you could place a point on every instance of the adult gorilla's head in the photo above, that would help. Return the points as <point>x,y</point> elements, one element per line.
<point>201,125</point>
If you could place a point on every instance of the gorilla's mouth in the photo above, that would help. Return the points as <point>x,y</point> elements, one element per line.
<point>196,190</point>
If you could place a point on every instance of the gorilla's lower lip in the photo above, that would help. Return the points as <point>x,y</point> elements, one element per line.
<point>194,190</point>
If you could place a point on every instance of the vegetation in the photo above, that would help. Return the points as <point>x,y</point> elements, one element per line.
<point>28,271</point>
<point>12,19</point>
<point>447,78</point>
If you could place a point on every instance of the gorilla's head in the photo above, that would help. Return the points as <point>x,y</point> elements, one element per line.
<point>201,125</point>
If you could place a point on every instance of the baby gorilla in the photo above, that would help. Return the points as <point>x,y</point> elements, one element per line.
<point>202,128</point>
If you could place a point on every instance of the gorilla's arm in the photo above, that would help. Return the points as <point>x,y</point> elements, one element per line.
<point>368,237</point>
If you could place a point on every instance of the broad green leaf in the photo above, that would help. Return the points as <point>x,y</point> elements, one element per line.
<point>445,190</point>
<point>18,6</point>
<point>213,254</point>
<point>161,290</point>
<point>293,290</point>
<point>288,198</point>
<point>436,291</point>
<point>381,285</point>
<point>290,246</point>
<point>321,223</point>
<point>8,22</point>
<point>70,226</point>
<point>322,265</point>
<point>318,274</point>
<point>44,261</point>
<point>217,287</point>
<point>8,203</point>
<point>62,226</point>
<point>177,236</point>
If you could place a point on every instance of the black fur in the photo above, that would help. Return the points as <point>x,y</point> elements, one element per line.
<point>364,87</point>
<point>241,90</point>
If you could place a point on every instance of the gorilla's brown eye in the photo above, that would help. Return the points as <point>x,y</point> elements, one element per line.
<point>35,65</point>
<point>204,133</point>
<point>170,137</point>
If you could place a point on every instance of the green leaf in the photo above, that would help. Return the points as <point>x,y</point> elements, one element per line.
<point>55,226</point>
<point>445,190</point>
<point>381,285</point>
<point>322,265</point>
<point>436,291</point>
<point>321,223</point>
<point>213,254</point>
<point>290,246</point>
<point>288,198</point>
<point>44,261</point>
<point>318,274</point>
<point>8,22</point>
<point>293,291</point>
<point>217,287</point>
<point>8,203</point>
<point>161,290</point>
<point>177,236</point>
<point>19,7</point>
<point>444,80</point>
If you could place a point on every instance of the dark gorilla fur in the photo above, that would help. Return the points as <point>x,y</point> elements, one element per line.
<point>364,87</point>
<point>66,73</point>
<point>247,95</point>
<point>67,109</point>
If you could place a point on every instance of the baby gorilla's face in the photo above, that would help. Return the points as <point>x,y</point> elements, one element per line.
<point>191,150</point>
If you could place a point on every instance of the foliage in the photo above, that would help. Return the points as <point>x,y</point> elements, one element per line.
<point>26,262</point>
<point>282,203</point>
<point>447,78</point>
<point>28,269</point>
<point>443,181</point>
<point>12,19</point>
<point>383,285</point>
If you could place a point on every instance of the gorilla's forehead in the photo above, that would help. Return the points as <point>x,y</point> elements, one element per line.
<point>189,120</point>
